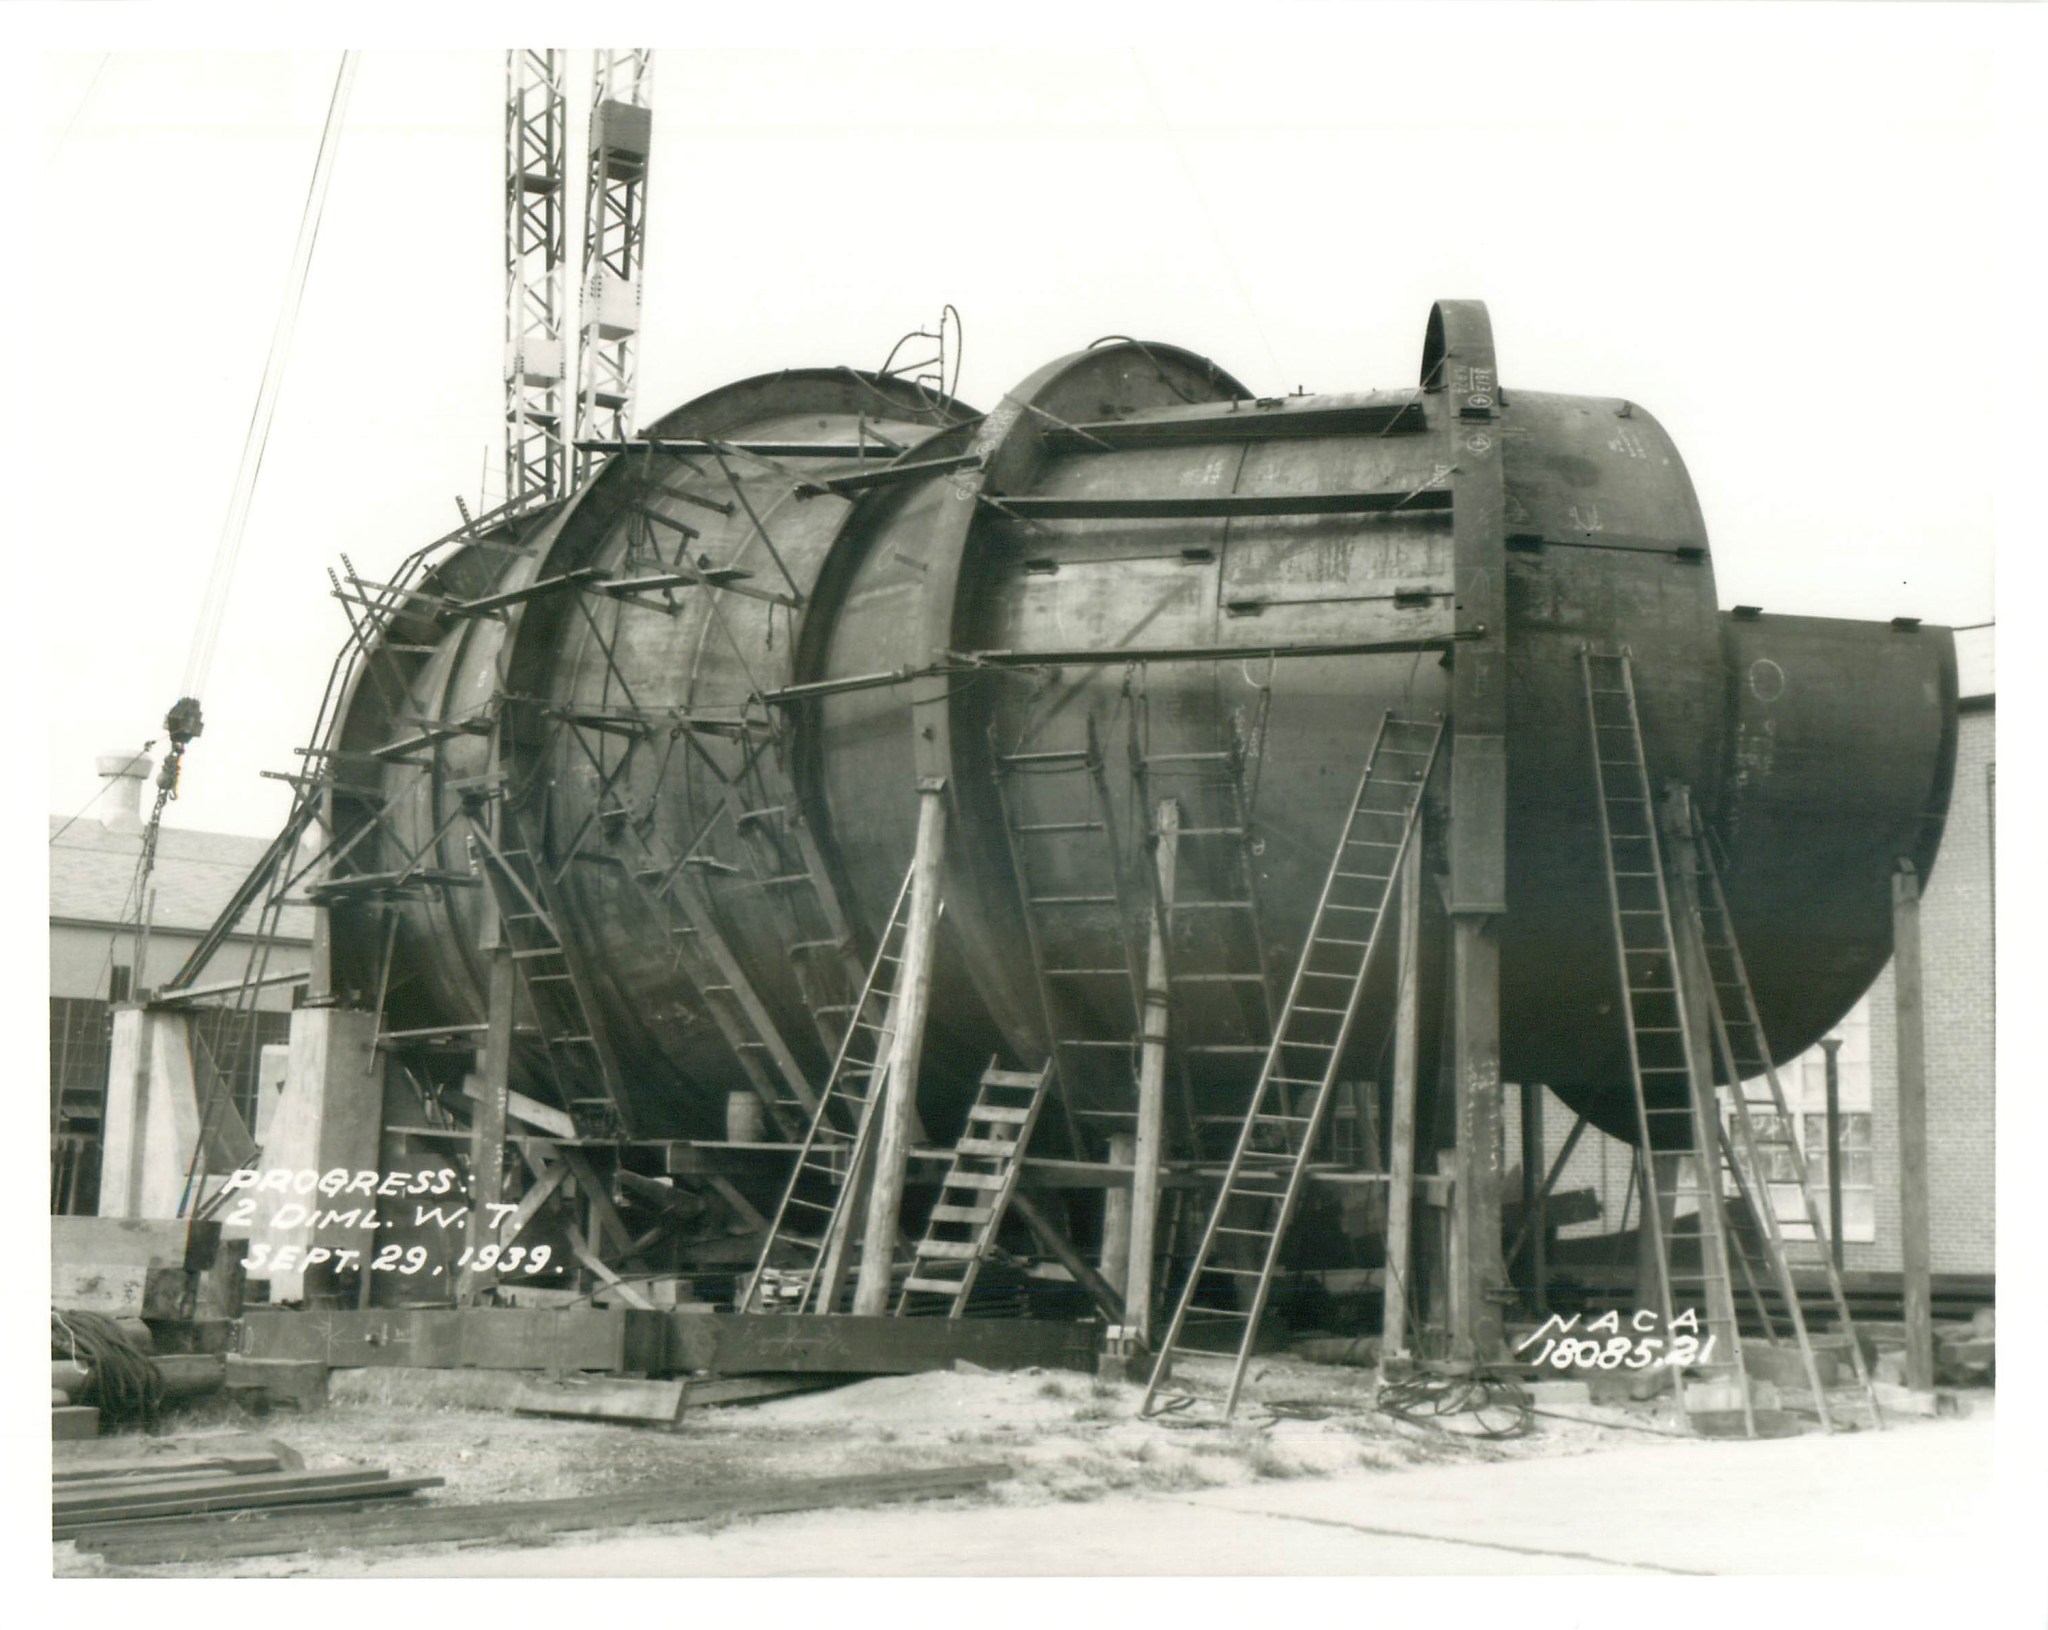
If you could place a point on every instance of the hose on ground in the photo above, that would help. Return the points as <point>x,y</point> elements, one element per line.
<point>124,1383</point>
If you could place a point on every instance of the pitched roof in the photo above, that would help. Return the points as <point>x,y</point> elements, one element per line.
<point>92,870</point>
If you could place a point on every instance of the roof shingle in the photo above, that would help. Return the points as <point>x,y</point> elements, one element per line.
<point>92,871</point>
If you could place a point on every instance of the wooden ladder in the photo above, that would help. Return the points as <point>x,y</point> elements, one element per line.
<point>1762,1153</point>
<point>1262,1185</point>
<point>819,1232</point>
<point>1065,830</point>
<point>1221,999</point>
<point>987,1160</point>
<point>552,974</point>
<point>1676,1113</point>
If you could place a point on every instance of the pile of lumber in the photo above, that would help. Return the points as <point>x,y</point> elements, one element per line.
<point>102,1503</point>
<point>351,1522</point>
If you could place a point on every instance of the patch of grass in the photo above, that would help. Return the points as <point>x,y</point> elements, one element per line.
<point>1052,1389</point>
<point>1264,1460</point>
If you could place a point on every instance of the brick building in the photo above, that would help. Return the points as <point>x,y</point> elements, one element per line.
<point>1957,925</point>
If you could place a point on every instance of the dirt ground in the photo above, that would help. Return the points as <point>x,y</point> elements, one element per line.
<point>1067,1437</point>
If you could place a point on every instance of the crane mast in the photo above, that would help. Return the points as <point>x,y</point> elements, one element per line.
<point>536,373</point>
<point>614,227</point>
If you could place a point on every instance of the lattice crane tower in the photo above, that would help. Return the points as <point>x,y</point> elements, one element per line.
<point>536,457</point>
<point>615,215</point>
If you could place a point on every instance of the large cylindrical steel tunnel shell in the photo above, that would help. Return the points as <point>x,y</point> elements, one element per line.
<point>1130,556</point>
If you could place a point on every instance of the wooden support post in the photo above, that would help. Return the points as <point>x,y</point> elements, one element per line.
<point>1149,1152</point>
<point>849,1220</point>
<point>1116,1217</point>
<point>899,1105</point>
<point>487,1124</point>
<point>1535,1192</point>
<point>1479,1333</point>
<point>1912,1042</point>
<point>1401,1132</point>
<point>1831,1046</point>
<point>1461,388</point>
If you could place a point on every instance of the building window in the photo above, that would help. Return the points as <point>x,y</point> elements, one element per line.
<point>1804,1081</point>
<point>80,1043</point>
<point>119,983</point>
<point>1859,1180</point>
<point>232,1043</point>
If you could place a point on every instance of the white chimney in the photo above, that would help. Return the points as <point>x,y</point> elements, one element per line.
<point>120,800</point>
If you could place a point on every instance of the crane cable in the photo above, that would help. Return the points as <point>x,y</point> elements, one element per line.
<point>183,724</point>
<point>213,605</point>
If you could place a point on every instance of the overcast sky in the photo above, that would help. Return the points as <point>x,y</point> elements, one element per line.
<point>1782,231</point>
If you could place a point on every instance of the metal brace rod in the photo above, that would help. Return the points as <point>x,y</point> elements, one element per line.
<point>760,527</point>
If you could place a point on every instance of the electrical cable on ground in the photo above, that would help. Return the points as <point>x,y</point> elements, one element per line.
<point>1501,1407</point>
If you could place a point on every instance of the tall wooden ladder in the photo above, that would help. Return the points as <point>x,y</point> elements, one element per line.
<point>819,1231</point>
<point>1063,851</point>
<point>987,1161</point>
<point>552,973</point>
<point>1221,999</point>
<point>1262,1185</point>
<point>1765,1152</point>
<point>1676,1113</point>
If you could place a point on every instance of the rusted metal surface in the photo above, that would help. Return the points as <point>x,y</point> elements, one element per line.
<point>1202,574</point>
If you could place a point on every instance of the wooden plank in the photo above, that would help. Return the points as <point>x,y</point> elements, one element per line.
<point>431,1525</point>
<point>493,1338</point>
<point>156,1483</point>
<point>253,1488</point>
<point>83,1457</point>
<point>853,1344</point>
<point>716,1392</point>
<point>160,1466</point>
<point>97,1536</point>
<point>608,1398</point>
<point>137,1242</point>
<point>68,1525</point>
<point>115,1290</point>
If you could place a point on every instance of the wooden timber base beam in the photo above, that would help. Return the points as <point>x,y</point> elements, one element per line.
<point>660,1342</point>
